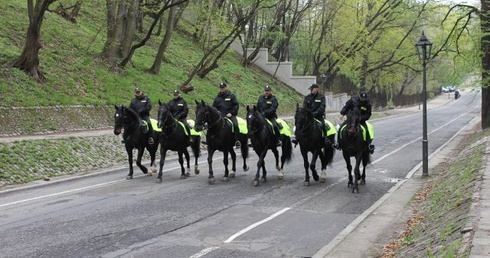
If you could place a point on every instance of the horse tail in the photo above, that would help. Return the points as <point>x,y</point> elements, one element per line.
<point>287,148</point>
<point>244,145</point>
<point>328,151</point>
<point>196,145</point>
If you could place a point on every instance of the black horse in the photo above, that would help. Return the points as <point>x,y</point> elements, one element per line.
<point>353,144</point>
<point>219,136</point>
<point>311,139</point>
<point>134,138</point>
<point>263,139</point>
<point>175,138</point>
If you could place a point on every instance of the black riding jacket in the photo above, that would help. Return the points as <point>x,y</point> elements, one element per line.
<point>226,103</point>
<point>142,105</point>
<point>178,108</point>
<point>316,104</point>
<point>267,106</point>
<point>364,107</point>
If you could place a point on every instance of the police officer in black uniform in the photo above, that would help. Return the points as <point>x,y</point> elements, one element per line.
<point>142,105</point>
<point>315,102</point>
<point>227,104</point>
<point>179,109</point>
<point>363,102</point>
<point>267,105</point>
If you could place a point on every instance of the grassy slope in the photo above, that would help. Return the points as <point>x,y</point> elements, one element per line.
<point>76,75</point>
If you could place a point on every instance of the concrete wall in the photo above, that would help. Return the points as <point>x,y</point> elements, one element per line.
<point>283,71</point>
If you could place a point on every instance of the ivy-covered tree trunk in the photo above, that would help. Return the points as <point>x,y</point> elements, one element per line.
<point>28,61</point>
<point>485,47</point>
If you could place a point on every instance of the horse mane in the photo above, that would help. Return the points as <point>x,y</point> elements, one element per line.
<point>131,111</point>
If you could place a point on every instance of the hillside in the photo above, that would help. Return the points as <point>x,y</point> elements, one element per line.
<point>76,75</point>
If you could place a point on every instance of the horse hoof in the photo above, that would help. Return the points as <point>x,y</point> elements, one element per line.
<point>263,180</point>
<point>349,185</point>
<point>323,179</point>
<point>159,180</point>
<point>225,179</point>
<point>278,168</point>
<point>256,183</point>
<point>356,191</point>
<point>231,175</point>
<point>149,174</point>
<point>197,171</point>
<point>280,177</point>
<point>129,177</point>
<point>183,177</point>
<point>187,174</point>
<point>306,183</point>
<point>211,180</point>
<point>245,168</point>
<point>316,177</point>
<point>363,182</point>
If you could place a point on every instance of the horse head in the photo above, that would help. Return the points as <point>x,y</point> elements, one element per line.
<point>303,120</point>
<point>255,121</point>
<point>124,117</point>
<point>353,121</point>
<point>164,115</point>
<point>201,115</point>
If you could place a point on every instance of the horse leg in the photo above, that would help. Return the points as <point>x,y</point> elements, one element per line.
<point>163,153</point>
<point>130,160</point>
<point>196,144</point>
<point>365,161</point>
<point>153,165</point>
<point>261,164</point>
<point>323,160</point>
<point>304,153</point>
<point>233,163</point>
<point>181,162</point>
<point>210,165</point>
<point>244,149</point>
<point>225,163</point>
<point>357,174</point>
<point>280,175</point>
<point>187,159</point>
<point>313,165</point>
<point>141,151</point>
<point>349,168</point>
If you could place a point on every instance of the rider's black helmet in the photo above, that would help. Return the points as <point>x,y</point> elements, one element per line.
<point>223,85</point>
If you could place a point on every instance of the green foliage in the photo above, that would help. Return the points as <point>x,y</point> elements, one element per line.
<point>70,59</point>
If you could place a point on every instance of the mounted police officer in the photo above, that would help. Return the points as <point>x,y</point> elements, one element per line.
<point>363,102</point>
<point>227,104</point>
<point>142,105</point>
<point>267,105</point>
<point>179,109</point>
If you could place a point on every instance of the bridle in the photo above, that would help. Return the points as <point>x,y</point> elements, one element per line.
<point>201,122</point>
<point>168,123</point>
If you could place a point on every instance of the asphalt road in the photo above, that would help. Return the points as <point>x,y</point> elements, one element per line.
<point>104,215</point>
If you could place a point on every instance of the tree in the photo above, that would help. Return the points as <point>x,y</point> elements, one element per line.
<point>28,61</point>
<point>485,61</point>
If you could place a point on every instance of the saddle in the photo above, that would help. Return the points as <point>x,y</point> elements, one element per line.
<point>363,130</point>
<point>329,128</point>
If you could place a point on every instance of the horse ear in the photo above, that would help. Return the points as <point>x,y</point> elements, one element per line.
<point>248,108</point>
<point>116,107</point>
<point>159,102</point>
<point>255,108</point>
<point>202,102</point>
<point>197,103</point>
<point>297,105</point>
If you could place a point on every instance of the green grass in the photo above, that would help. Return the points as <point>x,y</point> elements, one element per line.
<point>77,76</point>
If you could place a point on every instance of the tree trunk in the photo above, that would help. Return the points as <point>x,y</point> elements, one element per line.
<point>485,47</point>
<point>155,68</point>
<point>28,61</point>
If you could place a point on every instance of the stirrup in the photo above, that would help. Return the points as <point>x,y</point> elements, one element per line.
<point>336,145</point>
<point>279,143</point>
<point>238,144</point>
<point>371,148</point>
<point>151,141</point>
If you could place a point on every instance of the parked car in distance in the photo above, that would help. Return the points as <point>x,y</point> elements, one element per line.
<point>447,89</point>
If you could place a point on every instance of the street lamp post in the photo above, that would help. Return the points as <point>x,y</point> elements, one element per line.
<point>424,46</point>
